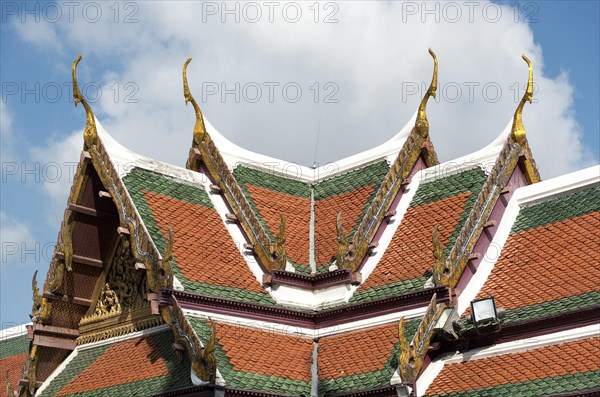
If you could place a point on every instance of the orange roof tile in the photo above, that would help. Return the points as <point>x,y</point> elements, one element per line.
<point>410,253</point>
<point>202,245</point>
<point>296,211</point>
<point>356,352</point>
<point>351,204</point>
<point>549,262</point>
<point>123,362</point>
<point>14,364</point>
<point>268,353</point>
<point>557,360</point>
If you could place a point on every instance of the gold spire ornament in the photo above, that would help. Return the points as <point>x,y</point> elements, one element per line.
<point>199,128</point>
<point>518,130</point>
<point>279,253</point>
<point>342,240</point>
<point>439,266</point>
<point>90,134</point>
<point>404,351</point>
<point>161,275</point>
<point>208,368</point>
<point>421,124</point>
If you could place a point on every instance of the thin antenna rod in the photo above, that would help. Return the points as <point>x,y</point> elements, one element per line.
<point>317,143</point>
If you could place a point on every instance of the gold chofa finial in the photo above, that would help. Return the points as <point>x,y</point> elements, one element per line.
<point>518,131</point>
<point>90,134</point>
<point>199,128</point>
<point>422,125</point>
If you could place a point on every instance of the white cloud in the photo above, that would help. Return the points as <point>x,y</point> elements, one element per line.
<point>375,52</point>
<point>6,132</point>
<point>57,161</point>
<point>14,235</point>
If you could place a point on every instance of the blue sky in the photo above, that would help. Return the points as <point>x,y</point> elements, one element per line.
<point>362,65</point>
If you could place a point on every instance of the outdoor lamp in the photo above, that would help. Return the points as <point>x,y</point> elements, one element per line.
<point>483,310</point>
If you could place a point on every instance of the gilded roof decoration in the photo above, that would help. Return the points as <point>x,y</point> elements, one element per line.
<point>223,177</point>
<point>518,130</point>
<point>412,356</point>
<point>342,239</point>
<point>422,124</point>
<point>203,358</point>
<point>199,128</point>
<point>279,253</point>
<point>90,133</point>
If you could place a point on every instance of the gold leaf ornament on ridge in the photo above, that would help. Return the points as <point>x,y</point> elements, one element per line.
<point>90,133</point>
<point>199,128</point>
<point>518,130</point>
<point>342,239</point>
<point>279,253</point>
<point>422,124</point>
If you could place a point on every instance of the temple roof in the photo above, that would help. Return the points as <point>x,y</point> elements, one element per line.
<point>287,280</point>
<point>565,367</point>
<point>546,264</point>
<point>132,366</point>
<point>14,346</point>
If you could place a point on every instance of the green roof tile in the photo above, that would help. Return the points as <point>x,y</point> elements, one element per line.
<point>177,378</point>
<point>138,181</point>
<point>249,380</point>
<point>467,181</point>
<point>558,209</point>
<point>245,175</point>
<point>382,291</point>
<point>13,346</point>
<point>372,379</point>
<point>554,307</point>
<point>352,180</point>
<point>535,388</point>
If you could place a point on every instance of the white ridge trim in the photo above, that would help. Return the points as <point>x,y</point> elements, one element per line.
<point>13,332</point>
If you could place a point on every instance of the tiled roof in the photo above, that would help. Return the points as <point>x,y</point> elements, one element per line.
<point>270,194</point>
<point>408,260</point>
<point>207,260</point>
<point>350,193</point>
<point>550,262</point>
<point>296,211</point>
<point>134,367</point>
<point>360,360</point>
<point>566,367</point>
<point>13,353</point>
<point>263,360</point>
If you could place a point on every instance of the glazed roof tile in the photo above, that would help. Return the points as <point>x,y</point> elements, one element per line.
<point>206,258</point>
<point>263,360</point>
<point>549,263</point>
<point>296,211</point>
<point>360,360</point>
<point>13,353</point>
<point>565,367</point>
<point>350,193</point>
<point>271,194</point>
<point>408,260</point>
<point>134,367</point>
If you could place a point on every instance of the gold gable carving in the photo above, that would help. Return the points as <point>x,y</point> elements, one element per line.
<point>412,355</point>
<point>121,306</point>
